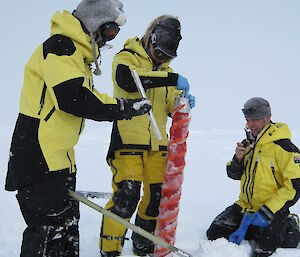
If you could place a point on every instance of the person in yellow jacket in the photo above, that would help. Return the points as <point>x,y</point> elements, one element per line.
<point>135,155</point>
<point>268,165</point>
<point>58,95</point>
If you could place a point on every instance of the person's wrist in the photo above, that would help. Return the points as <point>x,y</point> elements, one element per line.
<point>237,159</point>
<point>265,212</point>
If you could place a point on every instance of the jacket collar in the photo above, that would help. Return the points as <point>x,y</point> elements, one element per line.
<point>272,132</point>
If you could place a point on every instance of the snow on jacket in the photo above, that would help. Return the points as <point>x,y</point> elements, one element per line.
<point>159,83</point>
<point>57,95</point>
<point>269,173</point>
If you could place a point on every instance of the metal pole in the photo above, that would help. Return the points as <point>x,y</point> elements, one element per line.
<point>140,87</point>
<point>93,194</point>
<point>129,225</point>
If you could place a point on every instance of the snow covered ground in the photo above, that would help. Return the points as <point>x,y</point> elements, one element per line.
<point>206,192</point>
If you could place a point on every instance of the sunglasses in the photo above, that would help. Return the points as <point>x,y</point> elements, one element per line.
<point>161,54</point>
<point>249,111</point>
<point>107,32</point>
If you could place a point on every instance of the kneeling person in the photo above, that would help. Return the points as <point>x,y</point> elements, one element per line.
<point>268,165</point>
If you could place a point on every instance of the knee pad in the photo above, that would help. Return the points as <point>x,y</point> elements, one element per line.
<point>126,198</point>
<point>155,196</point>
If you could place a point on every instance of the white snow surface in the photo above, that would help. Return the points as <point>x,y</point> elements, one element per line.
<point>206,192</point>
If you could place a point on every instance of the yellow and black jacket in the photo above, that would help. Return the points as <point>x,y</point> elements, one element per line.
<point>57,95</point>
<point>159,83</point>
<point>269,173</point>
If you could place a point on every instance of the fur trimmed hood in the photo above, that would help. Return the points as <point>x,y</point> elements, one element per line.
<point>150,28</point>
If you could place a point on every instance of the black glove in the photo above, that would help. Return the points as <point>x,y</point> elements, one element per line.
<point>134,107</point>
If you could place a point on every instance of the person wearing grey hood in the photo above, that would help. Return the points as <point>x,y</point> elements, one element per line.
<point>58,94</point>
<point>268,165</point>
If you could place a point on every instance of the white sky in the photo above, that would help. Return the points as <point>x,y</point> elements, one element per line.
<point>231,50</point>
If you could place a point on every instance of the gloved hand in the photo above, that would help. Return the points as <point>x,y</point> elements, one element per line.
<point>183,84</point>
<point>191,99</point>
<point>134,107</point>
<point>238,235</point>
<point>259,220</point>
<point>255,219</point>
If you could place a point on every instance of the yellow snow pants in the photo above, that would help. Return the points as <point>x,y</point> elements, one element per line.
<point>130,169</point>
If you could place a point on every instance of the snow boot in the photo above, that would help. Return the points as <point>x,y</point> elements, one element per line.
<point>263,254</point>
<point>142,249</point>
<point>258,252</point>
<point>141,245</point>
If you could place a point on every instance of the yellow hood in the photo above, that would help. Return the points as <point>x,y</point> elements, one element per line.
<point>68,25</point>
<point>135,45</point>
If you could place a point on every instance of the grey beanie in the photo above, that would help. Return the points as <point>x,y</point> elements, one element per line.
<point>94,13</point>
<point>256,108</point>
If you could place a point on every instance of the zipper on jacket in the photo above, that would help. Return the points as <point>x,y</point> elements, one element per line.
<point>91,84</point>
<point>80,129</point>
<point>249,177</point>
<point>253,149</point>
<point>246,177</point>
<point>167,92</point>
<point>49,114</point>
<point>273,171</point>
<point>149,130</point>
<point>132,153</point>
<point>70,162</point>
<point>42,101</point>
<point>251,188</point>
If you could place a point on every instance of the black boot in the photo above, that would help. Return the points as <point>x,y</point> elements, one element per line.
<point>143,249</point>
<point>141,245</point>
<point>263,254</point>
<point>258,252</point>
